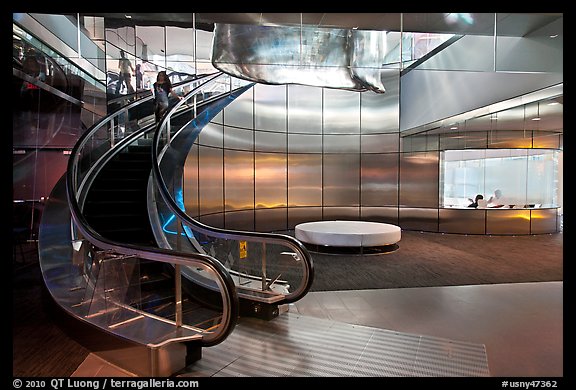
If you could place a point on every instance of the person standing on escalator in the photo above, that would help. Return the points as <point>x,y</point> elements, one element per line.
<point>125,74</point>
<point>162,89</point>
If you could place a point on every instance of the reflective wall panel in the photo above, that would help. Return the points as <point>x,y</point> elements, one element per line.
<point>216,220</point>
<point>543,221</point>
<point>379,143</point>
<point>298,215</point>
<point>270,178</point>
<point>212,135</point>
<point>270,108</point>
<point>265,141</point>
<point>190,183</point>
<point>238,180</point>
<point>379,179</point>
<point>211,179</point>
<point>380,214</point>
<point>304,143</point>
<point>507,221</point>
<point>341,144</point>
<point>341,180</point>
<point>380,113</point>
<point>341,111</point>
<point>240,220</point>
<point>238,138</point>
<point>418,219</point>
<point>419,179</point>
<point>304,109</point>
<point>241,112</point>
<point>341,213</point>
<point>304,180</point>
<point>467,221</point>
<point>269,220</point>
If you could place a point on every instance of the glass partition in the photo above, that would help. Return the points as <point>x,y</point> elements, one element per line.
<point>506,178</point>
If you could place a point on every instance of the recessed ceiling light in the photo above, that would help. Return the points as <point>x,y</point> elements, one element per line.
<point>554,36</point>
<point>536,119</point>
<point>454,128</point>
<point>128,16</point>
<point>553,103</point>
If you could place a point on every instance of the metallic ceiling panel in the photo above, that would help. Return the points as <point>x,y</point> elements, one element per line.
<point>308,55</point>
<point>270,108</point>
<point>304,180</point>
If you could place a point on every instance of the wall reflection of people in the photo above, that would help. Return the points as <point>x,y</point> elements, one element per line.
<point>125,74</point>
<point>474,203</point>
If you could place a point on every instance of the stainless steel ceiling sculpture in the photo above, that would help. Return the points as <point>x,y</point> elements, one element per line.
<point>307,55</point>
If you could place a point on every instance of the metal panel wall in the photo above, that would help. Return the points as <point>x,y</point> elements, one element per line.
<point>298,215</point>
<point>379,143</point>
<point>238,180</point>
<point>507,221</point>
<point>270,179</point>
<point>341,184</point>
<point>211,179</point>
<point>341,113</point>
<point>419,179</point>
<point>268,220</point>
<point>265,141</point>
<point>304,180</point>
<point>380,214</point>
<point>543,221</point>
<point>341,213</point>
<point>418,219</point>
<point>304,143</point>
<point>241,113</point>
<point>304,109</point>
<point>270,107</point>
<point>341,144</point>
<point>380,113</point>
<point>467,221</point>
<point>379,179</point>
<point>212,135</point>
<point>216,220</point>
<point>191,188</point>
<point>237,138</point>
<point>240,220</point>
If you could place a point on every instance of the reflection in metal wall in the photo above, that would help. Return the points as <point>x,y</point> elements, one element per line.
<point>241,113</point>
<point>379,143</point>
<point>380,113</point>
<point>298,215</point>
<point>270,178</point>
<point>380,214</point>
<point>238,180</point>
<point>304,109</point>
<point>341,213</point>
<point>240,220</point>
<point>341,112</point>
<point>304,143</point>
<point>308,55</point>
<point>212,135</point>
<point>341,143</point>
<point>341,180</point>
<point>210,175</point>
<point>265,141</point>
<point>543,221</point>
<point>379,179</point>
<point>238,138</point>
<point>268,220</point>
<point>419,179</point>
<point>190,183</point>
<point>507,221</point>
<point>270,107</point>
<point>304,180</point>
<point>418,219</point>
<point>467,221</point>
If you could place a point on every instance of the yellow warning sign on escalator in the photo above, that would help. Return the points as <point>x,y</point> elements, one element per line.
<point>243,246</point>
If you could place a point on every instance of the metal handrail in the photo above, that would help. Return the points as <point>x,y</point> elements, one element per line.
<point>270,238</point>
<point>230,309</point>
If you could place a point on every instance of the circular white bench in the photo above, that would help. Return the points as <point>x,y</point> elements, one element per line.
<point>348,233</point>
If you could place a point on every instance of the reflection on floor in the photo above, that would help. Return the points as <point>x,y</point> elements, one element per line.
<point>519,325</point>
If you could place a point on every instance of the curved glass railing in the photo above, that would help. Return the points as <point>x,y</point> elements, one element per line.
<point>111,270</point>
<point>266,267</point>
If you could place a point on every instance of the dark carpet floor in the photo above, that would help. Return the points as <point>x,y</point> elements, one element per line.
<point>433,259</point>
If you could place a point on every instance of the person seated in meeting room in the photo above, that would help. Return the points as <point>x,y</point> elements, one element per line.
<point>497,200</point>
<point>475,202</point>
